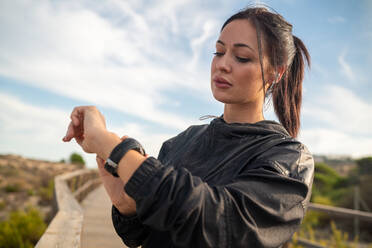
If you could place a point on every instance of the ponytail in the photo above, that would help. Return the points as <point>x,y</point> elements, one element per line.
<point>287,95</point>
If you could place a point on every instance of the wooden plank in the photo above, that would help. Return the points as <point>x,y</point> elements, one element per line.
<point>98,230</point>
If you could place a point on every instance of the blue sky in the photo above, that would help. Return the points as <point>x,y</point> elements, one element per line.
<point>146,65</point>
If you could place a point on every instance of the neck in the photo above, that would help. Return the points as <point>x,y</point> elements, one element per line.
<point>236,113</point>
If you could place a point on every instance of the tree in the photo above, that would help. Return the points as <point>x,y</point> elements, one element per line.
<point>77,159</point>
<point>364,165</point>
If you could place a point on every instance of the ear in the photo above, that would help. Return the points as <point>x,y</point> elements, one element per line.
<point>275,75</point>
<point>278,74</point>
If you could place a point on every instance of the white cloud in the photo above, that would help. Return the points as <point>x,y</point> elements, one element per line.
<point>345,121</point>
<point>197,44</point>
<point>340,109</point>
<point>333,142</point>
<point>33,131</point>
<point>336,19</point>
<point>345,67</point>
<point>37,132</point>
<point>122,58</point>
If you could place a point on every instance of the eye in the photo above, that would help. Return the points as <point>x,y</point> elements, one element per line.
<point>218,54</point>
<point>243,60</point>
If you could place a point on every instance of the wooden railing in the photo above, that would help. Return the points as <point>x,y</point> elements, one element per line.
<point>337,212</point>
<point>66,226</point>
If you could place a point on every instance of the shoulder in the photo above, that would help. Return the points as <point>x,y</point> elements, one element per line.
<point>290,158</point>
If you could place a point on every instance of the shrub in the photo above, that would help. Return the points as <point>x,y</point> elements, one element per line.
<point>77,159</point>
<point>364,165</point>
<point>46,193</point>
<point>11,188</point>
<point>22,229</point>
<point>338,239</point>
<point>30,192</point>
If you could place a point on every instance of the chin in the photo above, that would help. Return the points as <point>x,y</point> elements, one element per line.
<point>223,99</point>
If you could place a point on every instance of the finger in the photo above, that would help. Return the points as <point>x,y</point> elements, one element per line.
<point>124,137</point>
<point>70,133</point>
<point>100,161</point>
<point>76,114</point>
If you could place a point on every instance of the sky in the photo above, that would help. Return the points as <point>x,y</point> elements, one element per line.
<point>146,66</point>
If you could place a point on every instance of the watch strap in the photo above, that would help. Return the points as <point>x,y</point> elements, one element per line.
<point>119,152</point>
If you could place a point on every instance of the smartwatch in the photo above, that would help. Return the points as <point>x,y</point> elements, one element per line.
<point>119,152</point>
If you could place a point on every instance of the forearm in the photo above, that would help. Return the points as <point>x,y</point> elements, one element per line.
<point>127,166</point>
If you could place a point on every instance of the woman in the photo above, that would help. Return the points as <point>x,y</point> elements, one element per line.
<point>240,181</point>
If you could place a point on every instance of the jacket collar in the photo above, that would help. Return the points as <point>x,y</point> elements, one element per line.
<point>239,130</point>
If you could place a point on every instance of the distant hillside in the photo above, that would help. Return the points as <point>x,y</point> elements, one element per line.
<point>28,182</point>
<point>342,164</point>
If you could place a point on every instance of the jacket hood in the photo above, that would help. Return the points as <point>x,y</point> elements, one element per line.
<point>238,130</point>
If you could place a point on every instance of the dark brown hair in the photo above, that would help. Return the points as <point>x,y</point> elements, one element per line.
<point>284,50</point>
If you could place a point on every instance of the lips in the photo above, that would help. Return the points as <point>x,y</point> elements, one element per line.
<point>220,82</point>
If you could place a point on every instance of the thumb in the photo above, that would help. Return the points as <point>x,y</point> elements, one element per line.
<point>100,161</point>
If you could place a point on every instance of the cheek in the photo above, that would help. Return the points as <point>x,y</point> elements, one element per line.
<point>250,78</point>
<point>213,64</point>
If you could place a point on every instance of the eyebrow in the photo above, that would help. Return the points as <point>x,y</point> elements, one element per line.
<point>236,45</point>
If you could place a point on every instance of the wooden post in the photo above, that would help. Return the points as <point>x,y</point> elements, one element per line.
<point>356,207</point>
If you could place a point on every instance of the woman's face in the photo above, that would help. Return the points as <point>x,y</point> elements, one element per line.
<point>235,72</point>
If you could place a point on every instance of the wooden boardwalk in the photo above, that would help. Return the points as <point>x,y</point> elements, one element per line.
<point>98,231</point>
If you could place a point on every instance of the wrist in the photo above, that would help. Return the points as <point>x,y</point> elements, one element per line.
<point>106,144</point>
<point>127,206</point>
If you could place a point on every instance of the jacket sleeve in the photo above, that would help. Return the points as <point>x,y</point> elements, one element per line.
<point>129,228</point>
<point>262,207</point>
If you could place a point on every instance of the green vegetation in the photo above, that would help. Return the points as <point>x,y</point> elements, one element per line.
<point>338,239</point>
<point>330,188</point>
<point>22,229</point>
<point>2,205</point>
<point>30,192</point>
<point>11,188</point>
<point>77,159</point>
<point>365,165</point>
<point>46,192</point>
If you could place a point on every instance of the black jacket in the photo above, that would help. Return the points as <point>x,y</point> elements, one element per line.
<point>220,185</point>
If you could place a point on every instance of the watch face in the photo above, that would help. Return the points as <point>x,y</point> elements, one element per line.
<point>111,169</point>
<point>112,163</point>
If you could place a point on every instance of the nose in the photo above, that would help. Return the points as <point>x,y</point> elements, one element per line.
<point>223,63</point>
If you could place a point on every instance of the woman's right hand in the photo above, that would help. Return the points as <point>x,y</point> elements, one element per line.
<point>115,189</point>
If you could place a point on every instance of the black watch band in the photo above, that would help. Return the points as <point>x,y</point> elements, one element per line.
<point>118,153</point>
